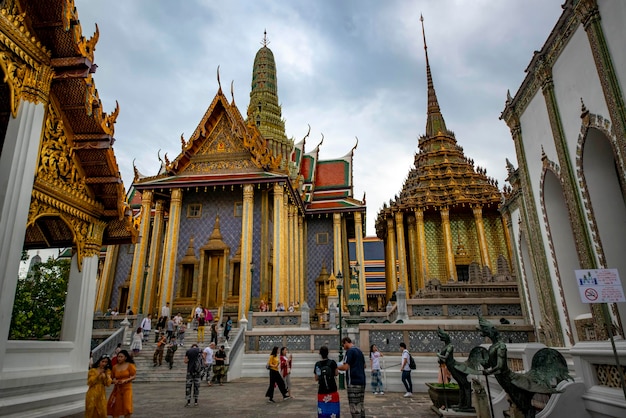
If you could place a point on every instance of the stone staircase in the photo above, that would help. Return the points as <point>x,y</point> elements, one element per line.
<point>146,372</point>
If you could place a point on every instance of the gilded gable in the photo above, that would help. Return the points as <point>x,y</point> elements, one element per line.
<point>221,151</point>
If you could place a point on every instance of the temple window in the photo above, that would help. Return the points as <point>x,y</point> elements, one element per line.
<point>194,210</point>
<point>321,238</point>
<point>462,273</point>
<point>238,212</point>
<point>186,285</point>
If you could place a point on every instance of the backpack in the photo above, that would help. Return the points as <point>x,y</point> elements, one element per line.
<point>325,377</point>
<point>412,364</point>
<point>198,364</point>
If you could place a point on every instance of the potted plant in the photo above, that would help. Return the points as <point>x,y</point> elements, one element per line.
<point>443,394</point>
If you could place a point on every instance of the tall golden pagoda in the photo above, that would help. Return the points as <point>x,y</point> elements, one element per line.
<point>445,223</point>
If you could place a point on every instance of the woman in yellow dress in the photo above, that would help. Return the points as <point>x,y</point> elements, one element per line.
<point>123,373</point>
<point>98,378</point>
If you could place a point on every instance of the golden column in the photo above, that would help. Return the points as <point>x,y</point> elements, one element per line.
<point>404,279</point>
<point>156,243</point>
<point>392,274</point>
<point>247,239</point>
<point>106,279</point>
<point>506,225</point>
<point>447,242</point>
<point>278,244</point>
<point>337,245</point>
<point>292,256</point>
<point>141,250</point>
<point>296,254</point>
<point>413,253</point>
<point>422,263</point>
<point>302,296</point>
<point>168,272</point>
<point>482,240</point>
<point>360,257</point>
<point>284,257</point>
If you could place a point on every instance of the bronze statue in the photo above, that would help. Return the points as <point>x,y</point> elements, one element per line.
<point>547,370</point>
<point>459,371</point>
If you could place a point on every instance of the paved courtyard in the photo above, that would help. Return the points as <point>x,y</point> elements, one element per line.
<point>245,398</point>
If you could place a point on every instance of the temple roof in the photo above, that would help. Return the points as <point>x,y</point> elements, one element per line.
<point>442,175</point>
<point>89,130</point>
<point>264,110</point>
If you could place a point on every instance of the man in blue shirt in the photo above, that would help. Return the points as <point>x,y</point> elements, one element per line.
<point>354,364</point>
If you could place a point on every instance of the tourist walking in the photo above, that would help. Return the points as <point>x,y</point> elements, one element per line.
<point>121,398</point>
<point>157,358</point>
<point>228,327</point>
<point>207,355</point>
<point>327,396</point>
<point>170,328</point>
<point>136,344</point>
<point>201,324</point>
<point>285,368</point>
<point>170,351</point>
<point>193,359</point>
<point>219,369</point>
<point>214,332</point>
<point>98,378</point>
<point>146,326</point>
<point>165,315</point>
<point>272,365</point>
<point>376,381</point>
<point>354,365</point>
<point>405,368</point>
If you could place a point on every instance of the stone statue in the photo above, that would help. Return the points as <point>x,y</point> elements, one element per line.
<point>547,370</point>
<point>459,371</point>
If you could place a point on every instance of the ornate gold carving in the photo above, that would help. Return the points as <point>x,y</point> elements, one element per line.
<point>56,163</point>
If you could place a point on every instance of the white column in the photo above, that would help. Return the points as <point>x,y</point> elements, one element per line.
<point>78,315</point>
<point>17,173</point>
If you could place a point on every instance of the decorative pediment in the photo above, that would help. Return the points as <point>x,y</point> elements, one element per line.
<point>223,142</point>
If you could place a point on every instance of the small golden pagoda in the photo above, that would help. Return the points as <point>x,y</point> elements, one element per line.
<point>444,225</point>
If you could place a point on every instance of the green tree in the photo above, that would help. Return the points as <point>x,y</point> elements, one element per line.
<point>40,301</point>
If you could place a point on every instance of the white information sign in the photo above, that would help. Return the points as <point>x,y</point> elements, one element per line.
<point>600,286</point>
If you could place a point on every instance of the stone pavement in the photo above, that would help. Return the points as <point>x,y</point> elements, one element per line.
<point>245,398</point>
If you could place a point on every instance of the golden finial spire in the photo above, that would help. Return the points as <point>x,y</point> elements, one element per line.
<point>265,41</point>
<point>435,123</point>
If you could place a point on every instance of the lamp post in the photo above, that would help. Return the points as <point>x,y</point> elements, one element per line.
<point>143,288</point>
<point>339,289</point>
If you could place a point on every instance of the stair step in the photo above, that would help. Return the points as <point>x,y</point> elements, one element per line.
<point>146,372</point>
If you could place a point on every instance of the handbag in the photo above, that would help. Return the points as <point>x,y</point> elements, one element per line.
<point>111,402</point>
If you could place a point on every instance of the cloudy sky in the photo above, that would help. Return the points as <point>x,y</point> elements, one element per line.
<point>352,68</point>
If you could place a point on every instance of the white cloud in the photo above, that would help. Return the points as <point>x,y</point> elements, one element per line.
<point>349,69</point>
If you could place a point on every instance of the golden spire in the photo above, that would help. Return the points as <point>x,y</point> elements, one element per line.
<point>434,119</point>
<point>265,41</point>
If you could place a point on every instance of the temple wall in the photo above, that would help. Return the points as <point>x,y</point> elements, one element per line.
<point>317,254</point>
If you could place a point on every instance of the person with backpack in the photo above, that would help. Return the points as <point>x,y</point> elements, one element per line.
<point>327,395</point>
<point>354,365</point>
<point>194,360</point>
<point>406,366</point>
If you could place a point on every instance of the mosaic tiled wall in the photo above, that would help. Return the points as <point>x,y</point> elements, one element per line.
<point>435,250</point>
<point>122,272</point>
<point>495,239</point>
<point>317,254</point>
<point>215,203</point>
<point>463,229</point>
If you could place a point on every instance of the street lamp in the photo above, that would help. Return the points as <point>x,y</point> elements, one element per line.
<point>143,288</point>
<point>339,288</point>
